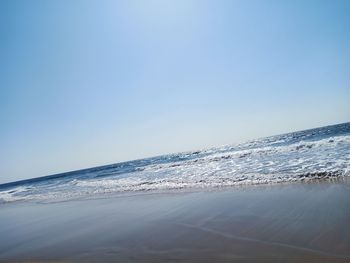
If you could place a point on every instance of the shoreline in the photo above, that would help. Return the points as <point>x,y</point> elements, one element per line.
<point>299,222</point>
<point>181,190</point>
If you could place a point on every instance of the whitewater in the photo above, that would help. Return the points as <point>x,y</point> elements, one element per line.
<point>309,155</point>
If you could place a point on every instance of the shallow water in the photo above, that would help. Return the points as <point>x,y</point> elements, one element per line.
<point>300,156</point>
<point>300,222</point>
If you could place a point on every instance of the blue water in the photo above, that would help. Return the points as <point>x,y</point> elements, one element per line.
<point>299,156</point>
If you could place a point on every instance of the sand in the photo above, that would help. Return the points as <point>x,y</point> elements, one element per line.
<point>299,222</point>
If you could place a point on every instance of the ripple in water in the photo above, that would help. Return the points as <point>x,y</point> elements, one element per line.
<point>305,155</point>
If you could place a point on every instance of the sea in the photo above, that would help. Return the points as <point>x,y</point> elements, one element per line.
<point>303,156</point>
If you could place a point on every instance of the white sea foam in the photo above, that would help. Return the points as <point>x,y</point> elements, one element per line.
<point>270,160</point>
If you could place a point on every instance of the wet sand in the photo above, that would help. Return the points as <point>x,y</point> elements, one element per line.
<point>301,222</point>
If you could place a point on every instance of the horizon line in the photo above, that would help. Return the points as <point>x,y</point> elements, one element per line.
<point>62,174</point>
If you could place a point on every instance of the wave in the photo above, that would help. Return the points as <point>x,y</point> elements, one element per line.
<point>107,186</point>
<point>266,161</point>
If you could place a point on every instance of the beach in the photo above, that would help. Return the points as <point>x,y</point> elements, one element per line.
<point>295,222</point>
<point>175,131</point>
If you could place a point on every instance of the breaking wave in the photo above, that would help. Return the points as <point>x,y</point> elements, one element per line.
<point>301,156</point>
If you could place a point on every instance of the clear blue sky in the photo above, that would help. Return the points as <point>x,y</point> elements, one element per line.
<point>87,83</point>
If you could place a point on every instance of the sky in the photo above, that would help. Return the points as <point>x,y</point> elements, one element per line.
<point>86,83</point>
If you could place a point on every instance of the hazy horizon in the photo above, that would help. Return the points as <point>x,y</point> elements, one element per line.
<point>89,83</point>
<point>191,150</point>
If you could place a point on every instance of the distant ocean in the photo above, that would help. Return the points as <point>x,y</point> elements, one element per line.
<point>299,156</point>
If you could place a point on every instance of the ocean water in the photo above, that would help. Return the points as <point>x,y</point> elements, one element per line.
<point>300,156</point>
